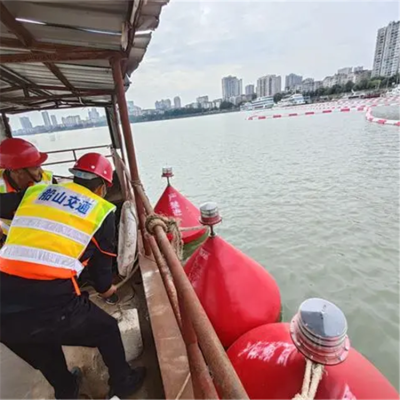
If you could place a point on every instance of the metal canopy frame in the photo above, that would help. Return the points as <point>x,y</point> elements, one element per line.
<point>56,54</point>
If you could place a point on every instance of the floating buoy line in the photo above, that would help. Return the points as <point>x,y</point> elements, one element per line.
<point>382,121</point>
<point>328,108</point>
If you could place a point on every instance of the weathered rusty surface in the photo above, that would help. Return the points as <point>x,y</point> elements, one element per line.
<point>130,148</point>
<point>225,376</point>
<point>167,279</point>
<point>171,351</point>
<point>203,386</point>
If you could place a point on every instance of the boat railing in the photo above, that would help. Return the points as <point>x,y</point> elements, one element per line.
<point>74,154</point>
<point>213,375</point>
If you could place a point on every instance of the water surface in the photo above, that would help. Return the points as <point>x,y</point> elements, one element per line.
<point>314,199</point>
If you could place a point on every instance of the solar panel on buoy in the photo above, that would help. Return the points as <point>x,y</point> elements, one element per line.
<point>173,204</point>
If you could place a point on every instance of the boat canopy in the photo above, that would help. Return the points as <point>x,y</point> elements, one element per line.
<point>56,54</point>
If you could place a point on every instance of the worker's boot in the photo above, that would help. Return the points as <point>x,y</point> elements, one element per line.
<point>77,374</point>
<point>130,384</point>
<point>71,392</point>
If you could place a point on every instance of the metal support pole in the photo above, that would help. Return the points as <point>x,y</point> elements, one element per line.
<point>7,129</point>
<point>223,372</point>
<point>114,105</point>
<point>130,148</point>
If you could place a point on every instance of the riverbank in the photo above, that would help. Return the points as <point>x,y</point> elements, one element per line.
<point>143,118</point>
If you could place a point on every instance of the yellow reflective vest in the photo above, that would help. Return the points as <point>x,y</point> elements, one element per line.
<point>50,231</point>
<point>5,187</point>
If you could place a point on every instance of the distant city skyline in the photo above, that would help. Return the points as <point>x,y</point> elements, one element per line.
<point>194,63</point>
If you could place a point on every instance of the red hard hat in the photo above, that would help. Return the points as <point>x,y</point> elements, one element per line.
<point>96,164</point>
<point>17,153</point>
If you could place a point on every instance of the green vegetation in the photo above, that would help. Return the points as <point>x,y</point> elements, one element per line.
<point>226,105</point>
<point>376,83</point>
<point>278,97</point>
<point>183,112</point>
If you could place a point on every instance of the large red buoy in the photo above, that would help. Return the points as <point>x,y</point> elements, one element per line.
<point>237,293</point>
<point>173,204</point>
<point>271,360</point>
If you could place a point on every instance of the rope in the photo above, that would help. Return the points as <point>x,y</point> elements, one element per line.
<point>312,376</point>
<point>169,225</point>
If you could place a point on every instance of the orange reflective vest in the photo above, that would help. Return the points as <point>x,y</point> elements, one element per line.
<point>50,231</point>
<point>5,187</point>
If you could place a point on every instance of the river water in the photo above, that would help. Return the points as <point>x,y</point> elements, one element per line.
<point>314,199</point>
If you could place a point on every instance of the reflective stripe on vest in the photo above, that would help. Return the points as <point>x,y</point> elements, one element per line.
<point>5,187</point>
<point>50,231</point>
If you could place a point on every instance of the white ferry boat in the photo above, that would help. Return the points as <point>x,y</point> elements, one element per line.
<point>394,92</point>
<point>293,100</point>
<point>260,103</point>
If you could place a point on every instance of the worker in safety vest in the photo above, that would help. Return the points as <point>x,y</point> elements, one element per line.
<point>54,230</point>
<point>20,167</point>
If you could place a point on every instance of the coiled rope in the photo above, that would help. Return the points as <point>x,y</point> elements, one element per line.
<point>169,225</point>
<point>312,376</point>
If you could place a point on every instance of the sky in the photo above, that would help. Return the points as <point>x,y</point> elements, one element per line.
<point>199,42</point>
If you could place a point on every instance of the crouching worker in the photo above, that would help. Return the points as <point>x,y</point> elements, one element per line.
<point>55,228</point>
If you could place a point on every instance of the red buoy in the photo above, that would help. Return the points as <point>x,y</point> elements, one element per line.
<point>174,204</point>
<point>271,366</point>
<point>237,293</point>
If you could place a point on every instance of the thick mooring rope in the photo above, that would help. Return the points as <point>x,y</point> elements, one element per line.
<point>169,225</point>
<point>312,376</point>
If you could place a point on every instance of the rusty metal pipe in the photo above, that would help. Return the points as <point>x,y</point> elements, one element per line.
<point>203,386</point>
<point>224,374</point>
<point>164,272</point>
<point>130,148</point>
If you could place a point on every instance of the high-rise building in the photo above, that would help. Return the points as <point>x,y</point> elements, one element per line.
<point>46,118</point>
<point>345,71</point>
<point>231,87</point>
<point>54,120</point>
<point>94,114</point>
<point>328,82</point>
<point>269,85</point>
<point>292,80</point>
<point>249,89</point>
<point>71,120</point>
<point>387,51</point>
<point>177,102</point>
<point>26,123</point>
<point>163,104</point>
<point>202,100</point>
